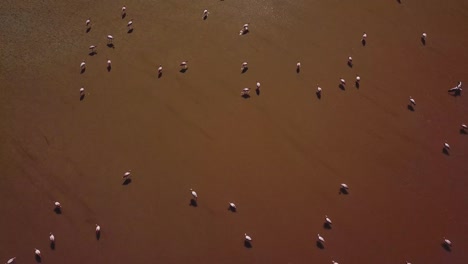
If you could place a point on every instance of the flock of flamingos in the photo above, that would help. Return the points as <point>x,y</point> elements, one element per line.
<point>446,243</point>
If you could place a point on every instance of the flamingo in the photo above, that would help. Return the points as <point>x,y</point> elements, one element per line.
<point>328,220</point>
<point>244,29</point>
<point>464,126</point>
<point>245,91</point>
<point>319,90</point>
<point>51,238</point>
<point>446,146</point>
<point>11,261</point>
<point>344,186</point>
<point>194,194</point>
<point>424,36</point>
<point>407,262</point>
<point>334,262</point>
<point>92,48</point>
<point>205,14</point>
<point>37,252</point>
<point>124,10</point>
<point>126,175</point>
<point>412,101</point>
<point>298,66</point>
<point>58,206</point>
<point>82,90</point>
<point>459,85</point>
<point>342,81</point>
<point>83,65</point>
<point>364,36</point>
<point>232,206</point>
<point>160,69</point>
<point>447,242</point>
<point>184,64</point>
<point>320,238</point>
<point>110,39</point>
<point>109,64</point>
<point>358,78</point>
<point>244,66</point>
<point>258,85</point>
<point>88,22</point>
<point>130,24</point>
<point>247,238</point>
<point>350,60</point>
<point>98,229</point>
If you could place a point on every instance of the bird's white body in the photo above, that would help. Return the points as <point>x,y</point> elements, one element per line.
<point>51,237</point>
<point>98,228</point>
<point>328,220</point>
<point>92,47</point>
<point>412,101</point>
<point>334,262</point>
<point>447,242</point>
<point>205,13</point>
<point>126,175</point>
<point>424,35</point>
<point>258,85</point>
<point>11,261</point>
<point>350,59</point>
<point>464,126</point>
<point>109,63</point>
<point>358,78</point>
<point>160,69</point>
<point>57,205</point>
<point>194,194</point>
<point>184,64</point>
<point>319,89</point>
<point>247,237</point>
<point>124,9</point>
<point>245,91</point>
<point>83,65</point>
<point>81,90</point>
<point>343,81</point>
<point>364,36</point>
<point>88,22</point>
<point>407,262</point>
<point>344,186</point>
<point>37,252</point>
<point>446,145</point>
<point>232,205</point>
<point>130,23</point>
<point>110,37</point>
<point>320,238</point>
<point>244,65</point>
<point>298,65</point>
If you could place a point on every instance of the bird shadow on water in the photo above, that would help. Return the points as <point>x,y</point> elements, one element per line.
<point>343,191</point>
<point>446,247</point>
<point>423,41</point>
<point>88,30</point>
<point>52,245</point>
<point>319,95</point>
<point>193,203</point>
<point>38,259</point>
<point>183,70</point>
<point>82,97</point>
<point>363,42</point>
<point>257,91</point>
<point>350,64</point>
<point>356,84</point>
<point>57,210</point>
<point>98,235</point>
<point>445,151</point>
<point>127,182</point>
<point>244,70</point>
<point>110,45</point>
<point>232,209</point>
<point>342,87</point>
<point>320,245</point>
<point>463,131</point>
<point>159,75</point>
<point>83,70</point>
<point>411,108</point>
<point>298,70</point>
<point>246,96</point>
<point>92,53</point>
<point>130,31</point>
<point>327,226</point>
<point>205,17</point>
<point>109,68</point>
<point>247,244</point>
<point>124,15</point>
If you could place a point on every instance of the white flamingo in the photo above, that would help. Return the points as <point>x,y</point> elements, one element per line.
<point>447,242</point>
<point>184,64</point>
<point>58,206</point>
<point>328,220</point>
<point>88,23</point>
<point>11,261</point>
<point>258,85</point>
<point>110,39</point>
<point>342,81</point>
<point>83,65</point>
<point>412,101</point>
<point>126,175</point>
<point>424,36</point>
<point>334,262</point>
<point>344,186</point>
<point>244,66</point>
<point>350,60</point>
<point>232,206</point>
<point>320,238</point>
<point>194,194</point>
<point>364,36</point>
<point>358,78</point>
<point>446,146</point>
<point>464,126</point>
<point>92,48</point>
<point>407,262</point>
<point>37,252</point>
<point>244,29</point>
<point>298,66</point>
<point>245,91</point>
<point>247,237</point>
<point>98,229</point>
<point>205,13</point>
<point>82,90</point>
<point>130,24</point>
<point>124,10</point>
<point>160,69</point>
<point>109,63</point>
<point>319,90</point>
<point>51,238</point>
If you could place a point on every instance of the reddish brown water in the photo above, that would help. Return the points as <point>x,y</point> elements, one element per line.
<point>279,156</point>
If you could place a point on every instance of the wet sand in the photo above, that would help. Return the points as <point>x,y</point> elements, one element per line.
<point>279,156</point>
